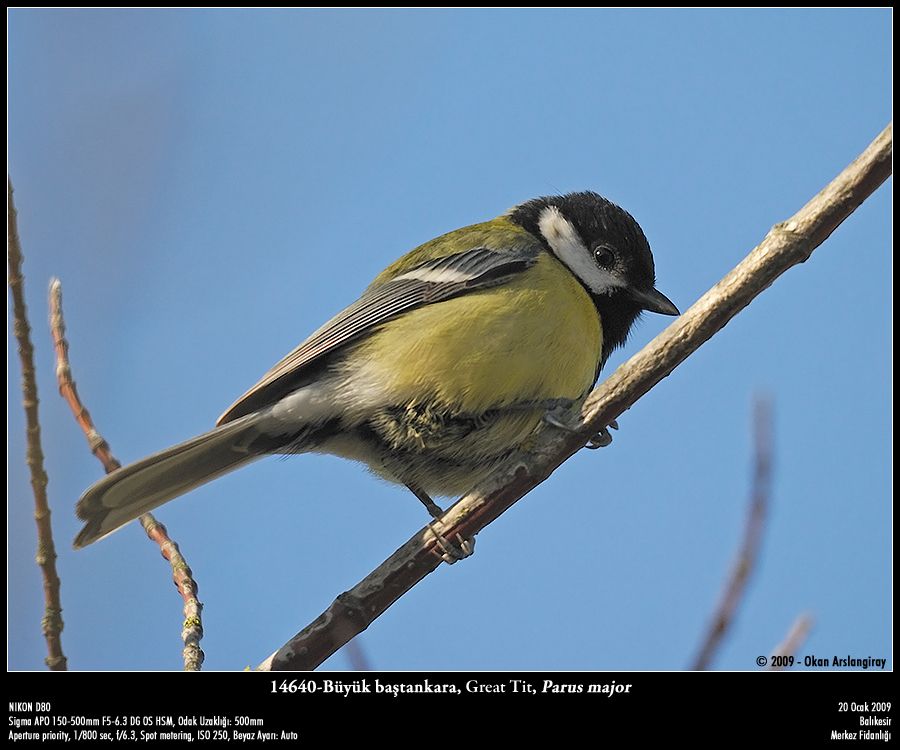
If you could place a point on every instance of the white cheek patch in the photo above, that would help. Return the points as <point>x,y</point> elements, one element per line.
<point>570,250</point>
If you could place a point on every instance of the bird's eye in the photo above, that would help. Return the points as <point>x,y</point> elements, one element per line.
<point>604,256</point>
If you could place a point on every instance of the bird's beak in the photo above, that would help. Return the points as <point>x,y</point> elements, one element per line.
<point>655,301</point>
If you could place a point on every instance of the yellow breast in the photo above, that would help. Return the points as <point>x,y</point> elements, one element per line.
<point>537,337</point>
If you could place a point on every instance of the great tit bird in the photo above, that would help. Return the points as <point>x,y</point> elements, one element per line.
<point>443,369</point>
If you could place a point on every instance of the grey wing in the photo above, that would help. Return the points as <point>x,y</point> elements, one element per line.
<point>432,281</point>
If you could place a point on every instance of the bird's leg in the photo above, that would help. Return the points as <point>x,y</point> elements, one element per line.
<point>451,552</point>
<point>430,505</point>
<point>556,417</point>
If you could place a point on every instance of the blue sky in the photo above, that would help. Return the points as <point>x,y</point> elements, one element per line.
<point>211,186</point>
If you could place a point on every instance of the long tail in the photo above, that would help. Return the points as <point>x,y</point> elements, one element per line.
<point>129,492</point>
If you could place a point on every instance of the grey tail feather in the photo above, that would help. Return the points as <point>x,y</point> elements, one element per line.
<point>140,487</point>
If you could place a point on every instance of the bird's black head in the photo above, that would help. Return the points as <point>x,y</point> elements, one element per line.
<point>606,250</point>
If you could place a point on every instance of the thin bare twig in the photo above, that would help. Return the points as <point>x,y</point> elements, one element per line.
<point>356,655</point>
<point>192,630</point>
<point>786,245</point>
<point>51,622</point>
<point>736,585</point>
<point>792,642</point>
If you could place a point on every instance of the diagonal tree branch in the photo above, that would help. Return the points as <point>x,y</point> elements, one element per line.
<point>748,553</point>
<point>786,245</point>
<point>192,629</point>
<point>52,622</point>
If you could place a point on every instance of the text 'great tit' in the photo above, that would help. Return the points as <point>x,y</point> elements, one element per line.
<point>443,369</point>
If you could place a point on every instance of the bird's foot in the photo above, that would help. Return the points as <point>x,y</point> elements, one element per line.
<point>602,439</point>
<point>453,553</point>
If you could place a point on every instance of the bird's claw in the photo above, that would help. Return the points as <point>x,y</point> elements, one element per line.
<point>602,438</point>
<point>451,553</point>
